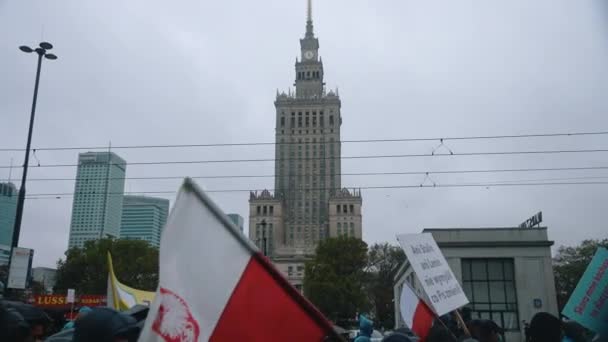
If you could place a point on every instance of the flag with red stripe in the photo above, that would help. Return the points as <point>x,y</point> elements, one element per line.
<point>416,314</point>
<point>214,285</point>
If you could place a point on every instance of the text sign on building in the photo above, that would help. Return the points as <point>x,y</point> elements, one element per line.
<point>20,267</point>
<point>61,301</point>
<point>433,272</point>
<point>533,221</point>
<point>588,304</point>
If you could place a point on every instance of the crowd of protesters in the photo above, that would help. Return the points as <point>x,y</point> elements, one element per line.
<point>21,322</point>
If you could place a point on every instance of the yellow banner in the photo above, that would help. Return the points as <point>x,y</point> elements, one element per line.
<point>122,297</point>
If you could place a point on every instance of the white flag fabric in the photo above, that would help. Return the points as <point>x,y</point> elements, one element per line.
<point>214,285</point>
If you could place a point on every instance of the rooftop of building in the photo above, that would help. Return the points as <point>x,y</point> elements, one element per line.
<point>137,199</point>
<point>100,157</point>
<point>489,235</point>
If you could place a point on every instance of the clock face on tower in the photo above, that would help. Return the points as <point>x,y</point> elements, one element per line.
<point>309,54</point>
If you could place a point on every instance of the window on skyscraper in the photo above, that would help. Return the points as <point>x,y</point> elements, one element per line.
<point>352,208</point>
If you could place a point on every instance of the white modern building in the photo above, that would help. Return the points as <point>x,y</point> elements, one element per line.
<point>98,197</point>
<point>506,274</point>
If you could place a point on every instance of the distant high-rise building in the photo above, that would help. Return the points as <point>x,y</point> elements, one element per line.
<point>98,196</point>
<point>45,276</point>
<point>5,252</point>
<point>309,203</point>
<point>237,220</point>
<point>8,208</point>
<point>143,218</point>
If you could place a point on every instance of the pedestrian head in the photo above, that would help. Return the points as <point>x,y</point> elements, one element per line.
<point>105,325</point>
<point>489,331</point>
<point>545,327</point>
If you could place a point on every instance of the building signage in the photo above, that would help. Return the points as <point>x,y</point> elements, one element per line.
<point>61,301</point>
<point>21,263</point>
<point>533,221</point>
<point>588,304</point>
<point>433,272</point>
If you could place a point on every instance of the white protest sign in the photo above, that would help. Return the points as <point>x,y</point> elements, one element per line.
<point>71,296</point>
<point>19,268</point>
<point>433,272</point>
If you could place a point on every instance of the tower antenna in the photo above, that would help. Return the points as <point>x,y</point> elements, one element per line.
<point>309,12</point>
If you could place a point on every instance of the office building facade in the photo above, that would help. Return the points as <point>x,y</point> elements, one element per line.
<point>143,218</point>
<point>98,197</point>
<point>8,209</point>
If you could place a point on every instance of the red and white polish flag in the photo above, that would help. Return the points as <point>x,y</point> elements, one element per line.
<point>416,314</point>
<point>214,285</point>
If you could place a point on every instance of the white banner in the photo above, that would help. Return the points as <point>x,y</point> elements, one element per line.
<point>433,272</point>
<point>71,296</point>
<point>19,269</point>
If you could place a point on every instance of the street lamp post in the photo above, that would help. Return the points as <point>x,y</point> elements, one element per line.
<point>42,52</point>
<point>264,246</point>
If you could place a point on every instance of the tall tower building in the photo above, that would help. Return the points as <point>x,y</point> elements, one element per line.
<point>143,218</point>
<point>98,197</point>
<point>8,209</point>
<point>308,204</point>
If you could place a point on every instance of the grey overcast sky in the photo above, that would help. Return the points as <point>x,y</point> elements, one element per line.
<point>180,72</point>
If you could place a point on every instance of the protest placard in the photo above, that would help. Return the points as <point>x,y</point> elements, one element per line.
<point>588,304</point>
<point>433,272</point>
<point>71,297</point>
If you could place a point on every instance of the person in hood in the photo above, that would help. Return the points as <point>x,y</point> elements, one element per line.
<point>83,311</point>
<point>366,327</point>
<point>106,325</point>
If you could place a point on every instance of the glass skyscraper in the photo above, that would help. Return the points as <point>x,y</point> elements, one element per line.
<point>143,218</point>
<point>98,197</point>
<point>8,208</point>
<point>237,220</point>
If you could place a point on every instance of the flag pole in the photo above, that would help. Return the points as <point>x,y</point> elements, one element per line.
<point>462,323</point>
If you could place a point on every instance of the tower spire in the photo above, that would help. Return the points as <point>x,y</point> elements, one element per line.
<point>309,12</point>
<point>309,28</point>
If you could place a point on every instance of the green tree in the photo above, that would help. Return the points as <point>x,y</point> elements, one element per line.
<point>334,280</point>
<point>569,265</point>
<point>383,262</point>
<point>86,269</point>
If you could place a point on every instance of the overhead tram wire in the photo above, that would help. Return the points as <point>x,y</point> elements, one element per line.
<point>480,137</point>
<point>379,187</point>
<point>395,173</point>
<point>220,161</point>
